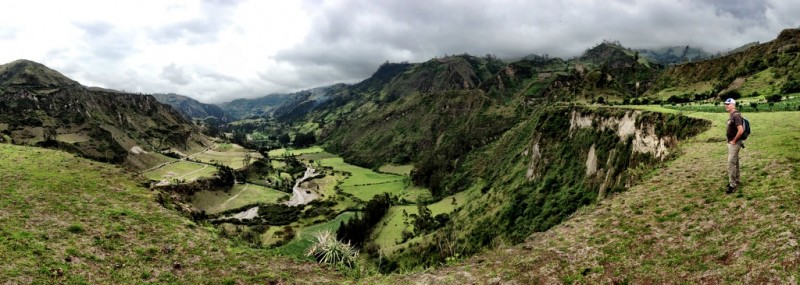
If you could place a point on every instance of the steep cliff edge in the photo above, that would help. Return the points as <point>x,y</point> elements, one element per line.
<point>541,171</point>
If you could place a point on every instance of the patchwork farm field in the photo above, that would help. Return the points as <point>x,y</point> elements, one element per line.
<point>231,155</point>
<point>388,232</point>
<point>404,170</point>
<point>283,151</point>
<point>181,170</point>
<point>240,195</point>
<point>364,183</point>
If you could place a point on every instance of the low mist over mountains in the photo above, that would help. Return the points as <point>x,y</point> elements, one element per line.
<point>191,108</point>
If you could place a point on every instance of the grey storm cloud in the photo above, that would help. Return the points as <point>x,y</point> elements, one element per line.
<point>107,41</point>
<point>350,38</point>
<point>175,74</point>
<point>211,49</point>
<point>204,29</point>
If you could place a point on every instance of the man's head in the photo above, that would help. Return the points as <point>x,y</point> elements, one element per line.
<point>730,105</point>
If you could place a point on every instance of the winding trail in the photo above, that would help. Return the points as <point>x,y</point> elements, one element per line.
<point>235,196</point>
<point>201,169</point>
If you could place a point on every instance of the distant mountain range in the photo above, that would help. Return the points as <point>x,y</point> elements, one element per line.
<point>191,108</point>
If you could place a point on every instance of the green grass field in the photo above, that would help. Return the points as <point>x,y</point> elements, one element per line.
<point>763,83</point>
<point>72,138</point>
<point>240,195</point>
<point>404,170</point>
<point>233,158</point>
<point>747,105</point>
<point>228,147</point>
<point>305,236</point>
<point>315,156</point>
<point>282,151</point>
<point>67,220</point>
<point>359,175</point>
<point>182,170</point>
<point>387,233</point>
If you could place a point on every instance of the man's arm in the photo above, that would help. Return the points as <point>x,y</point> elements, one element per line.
<point>739,132</point>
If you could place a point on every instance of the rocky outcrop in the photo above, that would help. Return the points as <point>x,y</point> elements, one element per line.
<point>39,106</point>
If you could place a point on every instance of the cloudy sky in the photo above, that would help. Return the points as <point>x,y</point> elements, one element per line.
<point>217,51</point>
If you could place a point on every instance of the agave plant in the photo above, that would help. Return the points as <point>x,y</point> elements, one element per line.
<point>329,250</point>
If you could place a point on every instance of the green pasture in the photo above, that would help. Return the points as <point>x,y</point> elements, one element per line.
<point>233,158</point>
<point>404,170</point>
<point>72,138</point>
<point>359,175</point>
<point>748,105</point>
<point>283,151</point>
<point>181,170</point>
<point>305,236</point>
<point>366,192</point>
<point>388,233</point>
<point>240,195</point>
<point>315,156</point>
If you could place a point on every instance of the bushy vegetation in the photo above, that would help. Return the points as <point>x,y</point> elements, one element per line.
<point>356,230</point>
<point>329,250</point>
<point>776,105</point>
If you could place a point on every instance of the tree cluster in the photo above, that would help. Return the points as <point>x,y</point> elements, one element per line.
<point>356,230</point>
<point>304,139</point>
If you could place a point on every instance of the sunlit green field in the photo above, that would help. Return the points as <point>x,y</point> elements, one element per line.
<point>233,158</point>
<point>388,232</point>
<point>72,138</point>
<point>282,151</point>
<point>182,170</point>
<point>397,169</point>
<point>240,195</point>
<point>364,183</point>
<point>359,175</point>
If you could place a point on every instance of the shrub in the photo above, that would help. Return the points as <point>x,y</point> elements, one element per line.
<point>735,94</point>
<point>774,98</point>
<point>329,250</point>
<point>601,100</point>
<point>75,229</point>
<point>790,87</point>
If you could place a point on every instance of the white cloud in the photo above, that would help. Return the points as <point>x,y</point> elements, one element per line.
<point>217,51</point>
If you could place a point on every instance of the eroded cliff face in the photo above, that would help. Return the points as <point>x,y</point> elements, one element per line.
<point>560,159</point>
<point>104,126</point>
<point>608,143</point>
<point>645,139</point>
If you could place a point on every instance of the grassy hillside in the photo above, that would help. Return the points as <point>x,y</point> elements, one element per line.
<point>69,220</point>
<point>772,65</point>
<point>676,226</point>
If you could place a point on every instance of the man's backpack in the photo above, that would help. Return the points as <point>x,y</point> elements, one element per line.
<point>746,125</point>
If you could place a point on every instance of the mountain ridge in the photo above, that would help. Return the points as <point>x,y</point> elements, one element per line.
<point>39,106</point>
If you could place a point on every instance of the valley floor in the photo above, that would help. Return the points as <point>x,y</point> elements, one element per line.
<point>676,226</point>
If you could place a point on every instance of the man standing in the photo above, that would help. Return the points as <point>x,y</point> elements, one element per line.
<point>734,133</point>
